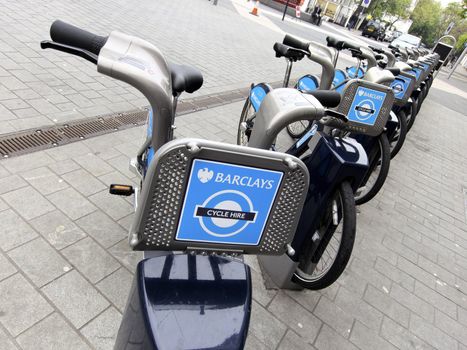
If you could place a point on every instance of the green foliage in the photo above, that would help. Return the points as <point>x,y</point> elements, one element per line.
<point>461,41</point>
<point>397,8</point>
<point>455,13</point>
<point>426,19</point>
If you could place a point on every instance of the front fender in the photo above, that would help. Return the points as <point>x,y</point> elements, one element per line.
<point>332,161</point>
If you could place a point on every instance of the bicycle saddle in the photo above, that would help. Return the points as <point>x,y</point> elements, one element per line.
<point>289,52</point>
<point>185,78</point>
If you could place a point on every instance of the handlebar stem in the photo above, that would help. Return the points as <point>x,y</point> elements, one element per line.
<point>280,108</point>
<point>288,72</point>
<point>142,65</point>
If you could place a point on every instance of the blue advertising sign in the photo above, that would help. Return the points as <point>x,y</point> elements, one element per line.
<point>339,77</point>
<point>400,86</point>
<point>366,106</point>
<point>425,66</point>
<point>306,84</point>
<point>227,203</point>
<point>416,72</point>
<point>257,95</point>
<point>352,70</point>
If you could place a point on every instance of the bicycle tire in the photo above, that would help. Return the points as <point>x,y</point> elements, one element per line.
<point>413,113</point>
<point>385,157</point>
<point>397,145</point>
<point>344,251</point>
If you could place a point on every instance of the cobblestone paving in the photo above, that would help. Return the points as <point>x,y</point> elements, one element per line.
<point>42,87</point>
<point>65,266</point>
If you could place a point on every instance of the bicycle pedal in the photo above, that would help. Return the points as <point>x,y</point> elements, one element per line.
<point>121,190</point>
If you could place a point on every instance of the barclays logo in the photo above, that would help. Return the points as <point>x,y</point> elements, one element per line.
<point>205,175</point>
<point>370,95</point>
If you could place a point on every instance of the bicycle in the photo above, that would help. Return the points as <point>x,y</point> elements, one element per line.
<point>194,222</point>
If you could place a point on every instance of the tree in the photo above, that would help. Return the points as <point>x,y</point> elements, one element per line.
<point>453,13</point>
<point>398,9</point>
<point>426,19</point>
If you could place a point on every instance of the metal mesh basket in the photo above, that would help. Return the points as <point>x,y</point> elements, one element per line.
<point>367,105</point>
<point>403,87</point>
<point>181,183</point>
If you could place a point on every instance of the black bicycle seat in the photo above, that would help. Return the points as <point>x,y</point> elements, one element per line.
<point>326,97</point>
<point>289,52</point>
<point>185,78</point>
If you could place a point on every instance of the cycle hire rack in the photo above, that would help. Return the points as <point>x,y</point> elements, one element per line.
<point>444,51</point>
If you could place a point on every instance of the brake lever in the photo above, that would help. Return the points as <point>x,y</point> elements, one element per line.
<point>48,44</point>
<point>334,120</point>
<point>334,114</point>
<point>356,53</point>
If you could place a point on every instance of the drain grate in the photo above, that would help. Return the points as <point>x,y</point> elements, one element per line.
<point>33,140</point>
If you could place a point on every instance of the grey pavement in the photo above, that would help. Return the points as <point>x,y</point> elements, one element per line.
<point>66,268</point>
<point>45,87</point>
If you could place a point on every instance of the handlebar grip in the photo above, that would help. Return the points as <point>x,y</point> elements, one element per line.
<point>293,41</point>
<point>70,35</point>
<point>280,49</point>
<point>376,49</point>
<point>350,46</point>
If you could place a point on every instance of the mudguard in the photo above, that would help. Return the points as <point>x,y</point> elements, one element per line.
<point>351,72</point>
<point>204,303</point>
<point>331,161</point>
<point>307,83</point>
<point>339,81</point>
<point>257,94</point>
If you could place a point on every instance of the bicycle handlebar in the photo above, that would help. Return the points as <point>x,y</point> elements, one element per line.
<point>67,34</point>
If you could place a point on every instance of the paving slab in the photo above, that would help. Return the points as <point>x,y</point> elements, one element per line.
<point>22,305</point>
<point>39,261</point>
<point>52,333</point>
<point>75,298</point>
<point>102,331</point>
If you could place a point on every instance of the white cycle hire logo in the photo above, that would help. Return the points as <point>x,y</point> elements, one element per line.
<point>205,175</point>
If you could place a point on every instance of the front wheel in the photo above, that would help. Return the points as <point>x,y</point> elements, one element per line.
<point>298,129</point>
<point>397,140</point>
<point>319,268</point>
<point>378,171</point>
